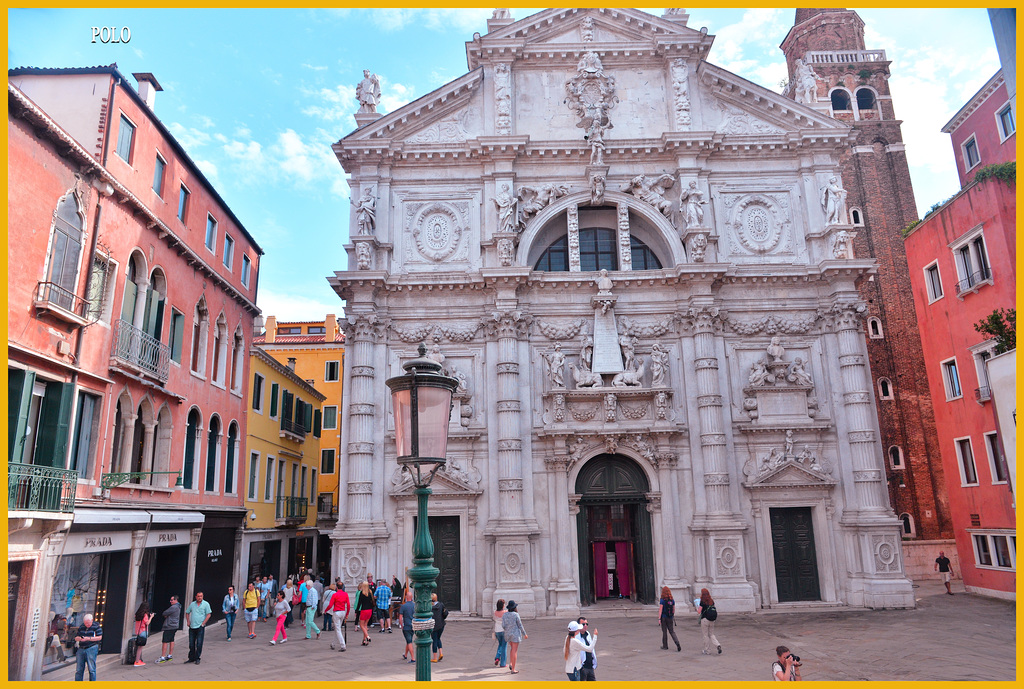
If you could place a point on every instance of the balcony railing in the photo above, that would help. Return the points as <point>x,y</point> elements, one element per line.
<point>62,303</point>
<point>816,57</point>
<point>141,350</point>
<point>34,488</point>
<point>292,509</point>
<point>296,428</point>
<point>973,280</point>
<point>982,394</point>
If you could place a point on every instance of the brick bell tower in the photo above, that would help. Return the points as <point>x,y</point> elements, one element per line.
<point>852,85</point>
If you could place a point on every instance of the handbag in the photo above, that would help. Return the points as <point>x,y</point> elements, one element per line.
<point>144,634</point>
<point>296,598</point>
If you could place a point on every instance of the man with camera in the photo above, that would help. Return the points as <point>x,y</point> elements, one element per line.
<point>787,667</point>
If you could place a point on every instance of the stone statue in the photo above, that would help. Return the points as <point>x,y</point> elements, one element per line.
<point>590,63</point>
<point>698,245</point>
<point>758,374</point>
<point>690,200</point>
<point>631,376</point>
<point>554,365</point>
<point>775,350</point>
<point>789,443</point>
<point>610,402</point>
<point>595,136</point>
<point>597,185</point>
<point>833,202</point>
<point>435,354</point>
<point>652,191</point>
<point>659,365</point>
<point>587,351</point>
<point>506,206</point>
<point>585,378</point>
<point>798,374</point>
<point>368,92</point>
<point>805,456</point>
<point>506,252</point>
<point>363,256</point>
<point>806,82</point>
<point>661,404</point>
<point>463,387</point>
<point>501,13</point>
<point>841,248</point>
<point>534,199</point>
<point>366,212</point>
<point>604,283</point>
<point>628,346</point>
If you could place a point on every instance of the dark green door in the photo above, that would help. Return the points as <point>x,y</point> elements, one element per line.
<point>796,565</point>
<point>444,532</point>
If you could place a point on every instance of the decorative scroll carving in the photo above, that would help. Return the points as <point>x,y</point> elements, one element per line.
<point>635,412</point>
<point>591,93</point>
<point>510,484</point>
<point>648,329</point>
<point>450,130</point>
<point>727,560</point>
<point>704,319</point>
<point>772,324</point>
<point>509,324</point>
<point>680,92</point>
<point>502,99</point>
<point>573,217</point>
<point>886,551</point>
<point>625,243</point>
<point>365,327</point>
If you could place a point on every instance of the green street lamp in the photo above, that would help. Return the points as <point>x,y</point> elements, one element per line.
<point>422,403</point>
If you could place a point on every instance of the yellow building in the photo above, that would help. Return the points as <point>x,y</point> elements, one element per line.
<point>318,348</point>
<point>282,467</point>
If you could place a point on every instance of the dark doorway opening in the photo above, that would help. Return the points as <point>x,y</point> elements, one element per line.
<point>796,563</point>
<point>444,532</point>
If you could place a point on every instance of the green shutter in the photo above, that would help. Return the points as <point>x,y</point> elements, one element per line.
<point>19,400</point>
<point>307,413</point>
<point>316,423</point>
<point>128,304</point>
<point>54,419</point>
<point>178,330</point>
<point>273,400</point>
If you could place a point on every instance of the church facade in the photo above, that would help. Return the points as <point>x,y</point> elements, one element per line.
<point>642,270</point>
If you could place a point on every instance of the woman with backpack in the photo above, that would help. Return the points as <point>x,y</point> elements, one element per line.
<point>666,618</point>
<point>440,613</point>
<point>708,615</point>
<point>289,591</point>
<point>142,619</point>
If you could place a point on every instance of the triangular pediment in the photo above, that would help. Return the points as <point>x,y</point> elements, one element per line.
<point>793,474</point>
<point>613,25</point>
<point>452,481</point>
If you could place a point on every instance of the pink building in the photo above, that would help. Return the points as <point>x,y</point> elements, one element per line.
<point>962,262</point>
<point>131,305</point>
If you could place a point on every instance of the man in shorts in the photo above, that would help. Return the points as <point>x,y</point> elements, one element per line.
<point>942,567</point>
<point>405,614</point>
<point>382,597</point>
<point>172,620</point>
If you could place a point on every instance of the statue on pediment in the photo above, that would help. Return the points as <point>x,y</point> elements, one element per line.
<point>368,92</point>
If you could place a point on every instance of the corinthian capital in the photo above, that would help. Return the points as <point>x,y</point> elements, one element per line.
<point>703,319</point>
<point>508,324</point>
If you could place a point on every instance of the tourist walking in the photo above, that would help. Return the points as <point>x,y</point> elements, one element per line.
<point>364,609</point>
<point>787,667</point>
<point>198,614</point>
<point>396,596</point>
<point>172,620</point>
<point>500,655</point>
<point>574,649</point>
<point>406,611</point>
<point>303,593</point>
<point>251,600</point>
<point>515,633</point>
<point>338,606</point>
<point>289,595</point>
<point>382,597</point>
<point>666,618</point>
<point>263,588</point>
<point>328,620</point>
<point>942,567</point>
<point>230,608</point>
<point>88,636</point>
<point>142,619</point>
<point>312,601</point>
<point>588,670</point>
<point>440,614</point>
<point>708,615</point>
<point>271,598</point>
<point>281,611</point>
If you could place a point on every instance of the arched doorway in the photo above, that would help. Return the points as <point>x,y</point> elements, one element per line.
<point>614,527</point>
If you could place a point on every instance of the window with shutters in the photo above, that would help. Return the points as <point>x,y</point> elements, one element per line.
<point>39,413</point>
<point>331,371</point>
<point>968,470</point>
<point>177,334</point>
<point>211,232</point>
<point>933,281</point>
<point>125,139</point>
<point>86,435</point>
<point>237,361</point>
<point>274,393</point>
<point>258,383</point>
<point>220,350</point>
<point>254,470</point>
<point>246,269</point>
<point>212,453</point>
<point>951,379</point>
<point>229,252</point>
<point>200,334</point>
<point>65,253</point>
<point>331,418</point>
<point>268,485</point>
<point>327,461</point>
<point>158,175</point>
<point>192,428</point>
<point>229,462</point>
<point>183,195</point>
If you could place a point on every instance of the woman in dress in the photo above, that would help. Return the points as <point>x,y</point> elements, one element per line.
<point>439,613</point>
<point>282,609</point>
<point>575,647</point>
<point>501,655</point>
<point>289,592</point>
<point>515,632</point>
<point>667,618</point>
<point>707,622</point>
<point>364,609</point>
<point>142,619</point>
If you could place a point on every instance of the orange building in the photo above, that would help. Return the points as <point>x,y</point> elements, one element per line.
<point>318,348</point>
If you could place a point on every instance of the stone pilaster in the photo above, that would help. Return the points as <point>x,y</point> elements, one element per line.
<point>361,336</point>
<point>565,595</point>
<point>624,240</point>
<point>128,440</point>
<point>671,528</point>
<point>709,409</point>
<point>147,450</point>
<point>573,220</point>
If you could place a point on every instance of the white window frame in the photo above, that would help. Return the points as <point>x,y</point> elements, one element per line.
<point>932,297</point>
<point>208,238</point>
<point>881,332</point>
<point>881,394</point>
<point>913,526</point>
<point>163,176</point>
<point>960,461</point>
<point>853,103</point>
<point>334,461</point>
<point>183,209</point>
<point>963,151</point>
<point>270,480</point>
<point>989,535</point>
<point>946,381</point>
<point>262,380</point>
<point>131,144</point>
<point>251,492</point>
<point>246,270</point>
<point>229,252</point>
<point>1003,135</point>
<point>981,353</point>
<point>859,219</point>
<point>326,367</point>
<point>323,417</point>
<point>993,460</point>
<point>968,239</point>
<point>902,461</point>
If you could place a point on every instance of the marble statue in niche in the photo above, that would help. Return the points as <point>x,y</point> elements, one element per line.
<point>659,365</point>
<point>690,200</point>
<point>506,206</point>
<point>805,82</point>
<point>833,202</point>
<point>366,212</point>
<point>554,366</point>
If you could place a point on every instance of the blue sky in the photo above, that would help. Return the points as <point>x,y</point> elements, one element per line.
<point>258,96</point>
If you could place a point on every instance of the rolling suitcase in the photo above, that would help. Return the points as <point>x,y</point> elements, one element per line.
<point>129,655</point>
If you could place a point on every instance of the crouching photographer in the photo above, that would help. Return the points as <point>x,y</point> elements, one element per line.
<point>787,667</point>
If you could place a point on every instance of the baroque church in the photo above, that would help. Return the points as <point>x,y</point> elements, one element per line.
<point>645,273</point>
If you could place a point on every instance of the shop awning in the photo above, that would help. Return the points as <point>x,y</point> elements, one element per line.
<point>85,515</point>
<point>172,517</point>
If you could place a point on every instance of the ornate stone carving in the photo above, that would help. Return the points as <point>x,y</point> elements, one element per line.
<point>356,448</point>
<point>643,445</point>
<point>805,82</point>
<point>843,315</point>
<point>610,404</point>
<point>758,222</point>
<point>591,93</point>
<point>698,246</point>
<point>509,324</point>
<point>597,188</point>
<point>361,409</point>
<point>511,444</point>
<point>661,404</point>
<point>716,479</point>
<point>368,92</point>
<point>512,559</point>
<point>690,201</point>
<point>704,319</point>
<point>887,553</point>
<point>366,211</point>
<point>798,375</point>
<point>362,371</point>
<point>506,252</point>
<point>648,329</point>
<point>652,191</point>
<point>583,412</point>
<point>735,121</point>
<point>775,370</point>
<point>833,202</point>
<point>532,200</point>
<point>502,99</point>
<point>627,345</point>
<point>559,412</point>
<point>506,206</point>
<point>659,365</point>
<point>576,447</point>
<point>584,377</point>
<point>364,255</point>
<point>680,92</point>
<point>353,561</point>
<point>653,502</point>
<point>510,484</point>
<point>509,405</point>
<point>841,245</point>
<point>554,367</point>
<point>437,229</point>
<point>587,30</point>
<point>365,327</point>
<point>573,221</point>
<point>861,436</point>
<point>436,331</point>
<point>562,330</point>
<point>635,412</point>
<point>772,324</point>
<point>450,130</point>
<point>625,241</point>
<point>507,367</point>
<point>360,488</point>
<point>631,377</point>
<point>611,444</point>
<point>727,558</point>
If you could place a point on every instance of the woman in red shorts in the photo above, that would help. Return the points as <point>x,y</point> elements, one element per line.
<point>364,609</point>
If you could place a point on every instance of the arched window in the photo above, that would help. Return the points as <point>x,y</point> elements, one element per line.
<point>840,100</point>
<point>237,359</point>
<point>135,281</point>
<point>195,421</point>
<point>200,333</point>
<point>598,251</point>
<point>229,463</point>
<point>885,389</point>
<point>856,217</point>
<point>220,349</point>
<point>865,99</point>
<point>212,449</point>
<point>162,448</point>
<point>874,328</point>
<point>153,320</point>
<point>908,525</point>
<point>896,457</point>
<point>642,256</point>
<point>65,250</point>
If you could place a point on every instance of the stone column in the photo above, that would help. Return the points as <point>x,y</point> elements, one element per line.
<point>190,577</point>
<point>147,448</point>
<point>566,597</point>
<point>361,336</point>
<point>140,305</point>
<point>709,406</point>
<point>127,440</point>
<point>138,550</point>
<point>509,326</point>
<point>671,528</point>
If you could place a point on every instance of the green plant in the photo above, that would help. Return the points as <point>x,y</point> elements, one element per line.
<point>1002,325</point>
<point>1004,172</point>
<point>864,74</point>
<point>909,228</point>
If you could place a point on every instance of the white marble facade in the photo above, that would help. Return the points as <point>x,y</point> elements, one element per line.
<point>733,378</point>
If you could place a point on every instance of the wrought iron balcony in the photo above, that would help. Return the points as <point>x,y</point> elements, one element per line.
<point>291,509</point>
<point>34,488</point>
<point>981,277</point>
<point>141,351</point>
<point>816,57</point>
<point>295,429</point>
<point>62,303</point>
<point>982,394</point>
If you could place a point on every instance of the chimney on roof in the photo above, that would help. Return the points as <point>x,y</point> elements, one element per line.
<point>271,334</point>
<point>291,363</point>
<point>148,86</point>
<point>331,328</point>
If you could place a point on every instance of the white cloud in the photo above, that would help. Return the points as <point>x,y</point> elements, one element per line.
<point>306,160</point>
<point>189,137</point>
<point>298,306</point>
<point>210,170</point>
<point>316,68</point>
<point>749,47</point>
<point>204,121</point>
<point>335,104</point>
<point>394,96</point>
<point>249,152</point>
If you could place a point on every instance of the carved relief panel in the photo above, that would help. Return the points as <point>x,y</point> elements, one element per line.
<point>438,233</point>
<point>758,227</point>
